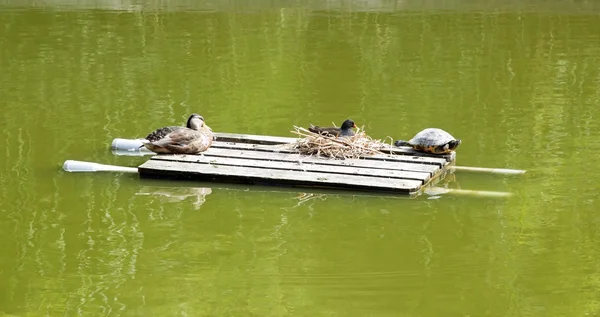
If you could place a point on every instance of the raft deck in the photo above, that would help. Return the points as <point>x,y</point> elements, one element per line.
<point>269,160</point>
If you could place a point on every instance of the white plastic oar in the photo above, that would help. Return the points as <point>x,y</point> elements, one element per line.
<point>129,147</point>
<point>503,171</point>
<point>466,192</point>
<point>81,166</point>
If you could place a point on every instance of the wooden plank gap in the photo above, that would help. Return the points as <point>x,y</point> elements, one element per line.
<point>376,157</point>
<point>344,170</point>
<point>156,168</point>
<point>295,158</point>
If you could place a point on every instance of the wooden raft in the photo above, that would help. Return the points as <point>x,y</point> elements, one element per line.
<point>261,159</point>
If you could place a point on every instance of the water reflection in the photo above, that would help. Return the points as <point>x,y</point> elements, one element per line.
<point>520,85</point>
<point>197,195</point>
<point>322,5</point>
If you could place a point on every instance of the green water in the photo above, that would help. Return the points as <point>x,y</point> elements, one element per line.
<point>518,82</point>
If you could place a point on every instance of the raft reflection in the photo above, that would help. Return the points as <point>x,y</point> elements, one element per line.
<point>177,194</point>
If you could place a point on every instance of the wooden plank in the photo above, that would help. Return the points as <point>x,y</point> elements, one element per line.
<point>377,157</point>
<point>157,168</point>
<point>294,166</point>
<point>275,140</point>
<point>253,138</point>
<point>284,157</point>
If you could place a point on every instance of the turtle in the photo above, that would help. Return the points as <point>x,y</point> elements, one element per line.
<point>432,140</point>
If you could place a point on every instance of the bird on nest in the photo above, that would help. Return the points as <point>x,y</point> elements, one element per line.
<point>194,138</point>
<point>344,131</point>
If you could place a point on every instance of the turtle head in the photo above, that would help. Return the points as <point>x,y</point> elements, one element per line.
<point>401,143</point>
<point>452,145</point>
<point>348,124</point>
<point>195,121</point>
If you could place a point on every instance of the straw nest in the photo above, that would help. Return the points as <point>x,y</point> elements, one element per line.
<point>356,146</point>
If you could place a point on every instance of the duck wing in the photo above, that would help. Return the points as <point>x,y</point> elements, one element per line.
<point>181,136</point>
<point>161,133</point>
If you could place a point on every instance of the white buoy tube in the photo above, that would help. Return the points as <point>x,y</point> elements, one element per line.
<point>81,166</point>
<point>466,192</point>
<point>129,147</point>
<point>503,171</point>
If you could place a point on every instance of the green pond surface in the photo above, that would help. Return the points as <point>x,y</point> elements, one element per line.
<point>517,81</point>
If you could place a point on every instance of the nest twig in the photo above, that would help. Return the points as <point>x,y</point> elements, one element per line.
<point>356,146</point>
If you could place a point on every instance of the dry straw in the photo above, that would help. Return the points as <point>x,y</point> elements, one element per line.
<point>356,146</point>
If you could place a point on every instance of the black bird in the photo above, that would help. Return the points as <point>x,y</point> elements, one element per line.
<point>344,131</point>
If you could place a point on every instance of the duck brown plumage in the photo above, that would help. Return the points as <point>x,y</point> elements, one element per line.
<point>194,138</point>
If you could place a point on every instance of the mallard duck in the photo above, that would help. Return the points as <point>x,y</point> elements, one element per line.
<point>194,138</point>
<point>344,131</point>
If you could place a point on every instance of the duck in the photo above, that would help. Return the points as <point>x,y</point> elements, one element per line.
<point>344,131</point>
<point>194,138</point>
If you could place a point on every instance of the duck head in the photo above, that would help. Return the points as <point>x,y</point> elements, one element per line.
<point>195,121</point>
<point>348,124</point>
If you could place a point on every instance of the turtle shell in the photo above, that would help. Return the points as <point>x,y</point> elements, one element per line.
<point>433,140</point>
